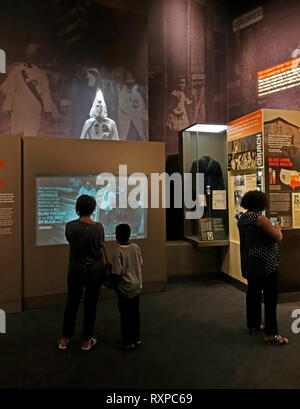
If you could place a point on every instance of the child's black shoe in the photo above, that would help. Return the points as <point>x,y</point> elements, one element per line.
<point>123,345</point>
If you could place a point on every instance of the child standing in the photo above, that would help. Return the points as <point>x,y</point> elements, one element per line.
<point>126,270</point>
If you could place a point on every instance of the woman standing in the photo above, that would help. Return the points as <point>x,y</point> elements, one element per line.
<point>259,240</point>
<point>86,265</point>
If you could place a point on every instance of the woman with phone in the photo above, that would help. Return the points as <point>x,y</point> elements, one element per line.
<point>259,240</point>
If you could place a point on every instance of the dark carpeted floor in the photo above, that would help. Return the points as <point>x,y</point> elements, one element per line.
<point>193,335</point>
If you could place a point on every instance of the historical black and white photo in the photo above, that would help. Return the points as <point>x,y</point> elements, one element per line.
<point>63,62</point>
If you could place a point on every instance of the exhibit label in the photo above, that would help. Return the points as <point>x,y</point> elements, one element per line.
<point>219,200</point>
<point>247,125</point>
<point>279,78</point>
<point>7,201</point>
<point>259,150</point>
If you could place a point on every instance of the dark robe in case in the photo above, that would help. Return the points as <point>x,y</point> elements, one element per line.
<point>213,175</point>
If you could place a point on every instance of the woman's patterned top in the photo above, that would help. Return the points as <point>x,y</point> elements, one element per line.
<point>259,253</point>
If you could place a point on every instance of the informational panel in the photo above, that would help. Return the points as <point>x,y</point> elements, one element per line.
<point>10,224</point>
<point>280,179</point>
<point>278,78</point>
<point>245,147</point>
<point>245,157</point>
<point>282,165</point>
<point>282,170</point>
<point>245,162</point>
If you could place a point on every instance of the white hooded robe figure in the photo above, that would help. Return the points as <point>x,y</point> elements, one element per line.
<point>99,126</point>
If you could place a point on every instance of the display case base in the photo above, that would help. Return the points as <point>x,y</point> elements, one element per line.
<point>207,243</point>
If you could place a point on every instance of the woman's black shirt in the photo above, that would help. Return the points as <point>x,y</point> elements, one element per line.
<point>86,244</point>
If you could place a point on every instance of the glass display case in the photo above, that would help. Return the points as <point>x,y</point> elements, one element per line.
<point>203,150</point>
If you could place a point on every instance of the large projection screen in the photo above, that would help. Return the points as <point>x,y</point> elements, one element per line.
<point>56,197</point>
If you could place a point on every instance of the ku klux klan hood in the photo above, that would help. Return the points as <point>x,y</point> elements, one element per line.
<point>99,109</point>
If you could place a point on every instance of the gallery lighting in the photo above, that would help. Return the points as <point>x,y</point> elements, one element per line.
<point>207,128</point>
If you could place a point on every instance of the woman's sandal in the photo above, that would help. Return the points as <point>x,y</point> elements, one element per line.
<point>60,346</point>
<point>276,340</point>
<point>92,342</point>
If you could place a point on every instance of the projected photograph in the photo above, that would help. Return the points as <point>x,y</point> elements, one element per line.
<point>74,69</point>
<point>55,206</point>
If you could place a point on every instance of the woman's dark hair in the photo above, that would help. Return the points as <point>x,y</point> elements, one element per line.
<point>254,200</point>
<point>123,232</point>
<point>85,205</point>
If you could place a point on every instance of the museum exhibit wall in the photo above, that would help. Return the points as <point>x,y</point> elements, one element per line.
<point>187,57</point>
<point>282,159</point>
<point>256,55</point>
<point>267,43</point>
<point>187,75</point>
<point>160,65</point>
<point>263,153</point>
<point>10,224</point>
<point>244,144</point>
<point>45,267</point>
<point>144,56</point>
